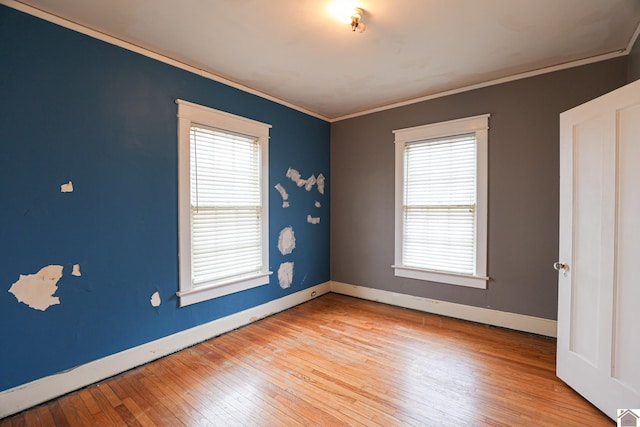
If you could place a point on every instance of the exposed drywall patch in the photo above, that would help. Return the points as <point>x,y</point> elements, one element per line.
<point>282,191</point>
<point>311,181</point>
<point>283,194</point>
<point>155,299</point>
<point>76,270</point>
<point>67,188</point>
<point>320,182</point>
<point>36,290</point>
<point>317,204</point>
<point>285,274</point>
<point>295,176</point>
<point>313,220</point>
<point>286,241</point>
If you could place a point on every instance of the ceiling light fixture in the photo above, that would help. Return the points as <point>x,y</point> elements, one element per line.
<point>356,20</point>
<point>348,12</point>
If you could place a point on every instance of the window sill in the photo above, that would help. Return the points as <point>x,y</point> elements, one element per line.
<point>207,292</point>
<point>467,280</point>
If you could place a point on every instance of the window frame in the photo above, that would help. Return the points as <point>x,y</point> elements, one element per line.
<point>479,125</point>
<point>188,114</point>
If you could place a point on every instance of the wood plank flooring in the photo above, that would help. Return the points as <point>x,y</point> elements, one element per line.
<point>333,361</point>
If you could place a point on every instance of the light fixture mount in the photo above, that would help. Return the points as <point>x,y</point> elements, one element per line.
<point>356,20</point>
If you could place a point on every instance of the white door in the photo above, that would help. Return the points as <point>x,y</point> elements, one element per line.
<point>599,265</point>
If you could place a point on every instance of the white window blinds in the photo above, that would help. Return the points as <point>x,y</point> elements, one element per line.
<point>226,209</point>
<point>439,205</point>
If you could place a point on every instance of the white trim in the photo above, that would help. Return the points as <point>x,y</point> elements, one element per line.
<point>223,120</point>
<point>503,319</point>
<point>203,293</point>
<point>27,395</point>
<point>533,73</point>
<point>479,125</point>
<point>189,113</point>
<point>439,129</point>
<point>467,280</point>
<point>167,60</point>
<point>634,37</point>
<point>150,54</point>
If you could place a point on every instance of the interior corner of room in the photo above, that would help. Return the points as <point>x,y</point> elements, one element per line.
<point>91,190</point>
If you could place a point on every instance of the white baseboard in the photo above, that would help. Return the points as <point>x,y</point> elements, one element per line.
<point>27,395</point>
<point>519,322</point>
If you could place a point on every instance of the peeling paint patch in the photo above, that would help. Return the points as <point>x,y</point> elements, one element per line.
<point>67,188</point>
<point>285,274</point>
<point>76,270</point>
<point>36,290</point>
<point>155,299</point>
<point>295,176</point>
<point>283,194</point>
<point>311,181</point>
<point>286,241</point>
<point>313,220</point>
<point>317,204</point>
<point>282,191</point>
<point>320,181</point>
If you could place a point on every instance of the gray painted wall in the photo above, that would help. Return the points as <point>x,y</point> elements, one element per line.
<point>634,62</point>
<point>523,188</point>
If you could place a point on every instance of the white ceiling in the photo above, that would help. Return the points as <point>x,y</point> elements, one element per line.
<point>296,51</point>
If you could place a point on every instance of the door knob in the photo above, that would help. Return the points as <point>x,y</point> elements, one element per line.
<point>560,266</point>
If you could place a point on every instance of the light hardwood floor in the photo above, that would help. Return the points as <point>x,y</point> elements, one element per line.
<point>338,360</point>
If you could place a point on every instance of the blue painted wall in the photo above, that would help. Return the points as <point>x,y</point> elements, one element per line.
<point>75,108</point>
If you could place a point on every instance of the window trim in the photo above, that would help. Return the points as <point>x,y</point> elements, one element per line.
<point>189,113</point>
<point>480,126</point>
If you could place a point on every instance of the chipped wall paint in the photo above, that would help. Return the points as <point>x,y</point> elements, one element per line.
<point>76,270</point>
<point>286,241</point>
<point>155,299</point>
<point>283,194</point>
<point>67,188</point>
<point>36,290</point>
<point>311,181</point>
<point>308,183</point>
<point>295,176</point>
<point>123,231</point>
<point>320,180</point>
<point>285,274</point>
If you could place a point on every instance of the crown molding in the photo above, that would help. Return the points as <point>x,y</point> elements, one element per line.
<point>63,22</point>
<point>206,74</point>
<point>533,73</point>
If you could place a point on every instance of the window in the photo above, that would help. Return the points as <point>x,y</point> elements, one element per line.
<point>441,202</point>
<point>223,203</point>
